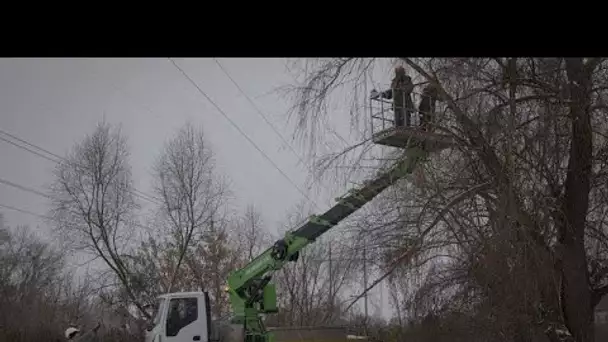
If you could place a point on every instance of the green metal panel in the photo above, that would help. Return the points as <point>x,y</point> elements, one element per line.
<point>270,299</point>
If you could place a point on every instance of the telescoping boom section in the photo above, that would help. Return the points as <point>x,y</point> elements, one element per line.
<point>252,294</point>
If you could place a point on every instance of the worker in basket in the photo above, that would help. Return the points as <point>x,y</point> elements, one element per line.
<point>401,94</point>
<point>73,334</point>
<point>426,108</point>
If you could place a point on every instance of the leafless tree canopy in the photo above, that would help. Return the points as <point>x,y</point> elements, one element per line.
<point>251,234</point>
<point>506,226</point>
<point>93,202</point>
<point>191,191</point>
<point>311,291</point>
<point>39,298</point>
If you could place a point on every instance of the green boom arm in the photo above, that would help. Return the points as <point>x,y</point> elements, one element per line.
<point>249,288</point>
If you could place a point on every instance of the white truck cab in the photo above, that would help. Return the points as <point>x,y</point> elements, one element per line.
<point>181,317</point>
<point>186,316</point>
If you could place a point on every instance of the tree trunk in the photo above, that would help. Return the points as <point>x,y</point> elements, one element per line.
<point>576,291</point>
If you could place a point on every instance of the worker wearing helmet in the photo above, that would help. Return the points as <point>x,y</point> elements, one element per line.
<point>401,94</point>
<point>403,106</point>
<point>73,334</point>
<point>426,108</point>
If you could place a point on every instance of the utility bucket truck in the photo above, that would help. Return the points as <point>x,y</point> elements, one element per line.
<point>192,324</point>
<point>184,317</point>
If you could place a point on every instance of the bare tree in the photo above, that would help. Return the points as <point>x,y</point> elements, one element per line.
<point>40,296</point>
<point>213,258</point>
<point>191,248</point>
<point>250,234</point>
<point>151,264</point>
<point>32,284</point>
<point>530,135</point>
<point>191,191</point>
<point>308,293</point>
<point>93,202</point>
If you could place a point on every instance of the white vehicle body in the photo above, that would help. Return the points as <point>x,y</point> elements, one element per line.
<point>181,317</point>
<point>186,316</point>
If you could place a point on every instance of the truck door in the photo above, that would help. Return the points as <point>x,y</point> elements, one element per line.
<point>155,329</point>
<point>187,320</point>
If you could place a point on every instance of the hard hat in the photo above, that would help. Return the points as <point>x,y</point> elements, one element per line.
<point>69,332</point>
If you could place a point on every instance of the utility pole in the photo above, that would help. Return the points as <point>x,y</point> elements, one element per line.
<point>365,287</point>
<point>331,283</point>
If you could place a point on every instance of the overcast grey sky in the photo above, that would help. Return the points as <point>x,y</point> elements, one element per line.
<point>53,103</point>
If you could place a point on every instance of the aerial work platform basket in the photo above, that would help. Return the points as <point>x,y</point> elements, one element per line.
<point>385,132</point>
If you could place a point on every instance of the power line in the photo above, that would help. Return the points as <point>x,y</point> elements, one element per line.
<point>136,192</point>
<point>310,166</point>
<point>257,109</point>
<point>327,128</point>
<point>268,122</point>
<point>24,211</point>
<point>144,195</point>
<point>241,131</point>
<point>28,150</point>
<point>23,188</point>
<point>35,192</point>
<point>31,145</point>
<point>59,158</point>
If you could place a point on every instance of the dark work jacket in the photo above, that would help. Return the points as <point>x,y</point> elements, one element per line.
<point>401,93</point>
